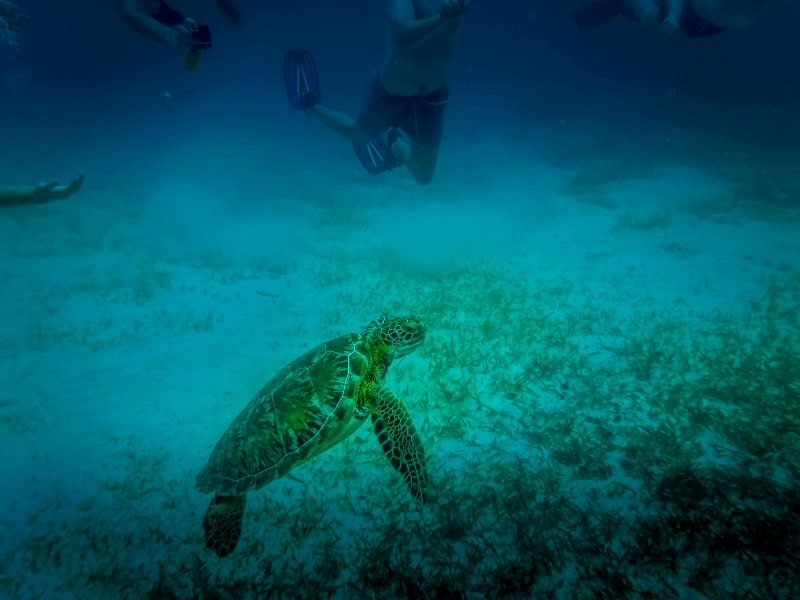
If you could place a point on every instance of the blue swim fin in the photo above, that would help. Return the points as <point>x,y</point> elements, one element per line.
<point>376,155</point>
<point>301,79</point>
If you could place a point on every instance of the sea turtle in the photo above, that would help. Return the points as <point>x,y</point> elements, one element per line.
<point>311,405</point>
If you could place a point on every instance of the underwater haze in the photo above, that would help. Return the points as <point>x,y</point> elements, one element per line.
<point>607,262</point>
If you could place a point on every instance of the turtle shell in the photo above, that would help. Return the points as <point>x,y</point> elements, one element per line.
<point>309,406</point>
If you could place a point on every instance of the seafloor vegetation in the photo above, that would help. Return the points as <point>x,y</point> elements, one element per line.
<point>578,448</point>
<point>584,439</point>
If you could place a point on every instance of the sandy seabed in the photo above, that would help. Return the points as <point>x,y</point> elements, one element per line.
<point>609,395</point>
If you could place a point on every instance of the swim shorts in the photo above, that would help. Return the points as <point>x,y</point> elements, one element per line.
<point>420,117</point>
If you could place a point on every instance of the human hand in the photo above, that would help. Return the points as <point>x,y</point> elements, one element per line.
<point>669,25</point>
<point>454,8</point>
<point>182,35</point>
<point>646,10</point>
<point>73,185</point>
<point>43,191</point>
<point>53,191</point>
<point>191,36</point>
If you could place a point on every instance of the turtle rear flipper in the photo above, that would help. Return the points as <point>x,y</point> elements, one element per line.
<point>223,523</point>
<point>400,443</point>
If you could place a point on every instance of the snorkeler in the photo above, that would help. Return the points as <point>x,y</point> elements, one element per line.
<point>401,120</point>
<point>23,195</point>
<point>159,21</point>
<point>693,18</point>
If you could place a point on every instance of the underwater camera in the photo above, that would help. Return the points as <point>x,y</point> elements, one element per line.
<point>201,38</point>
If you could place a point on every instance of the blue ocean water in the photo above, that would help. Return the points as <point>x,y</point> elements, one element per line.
<point>606,261</point>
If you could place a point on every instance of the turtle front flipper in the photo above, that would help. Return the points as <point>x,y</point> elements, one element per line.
<point>223,523</point>
<point>400,443</point>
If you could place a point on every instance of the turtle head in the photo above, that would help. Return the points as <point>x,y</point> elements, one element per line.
<point>403,334</point>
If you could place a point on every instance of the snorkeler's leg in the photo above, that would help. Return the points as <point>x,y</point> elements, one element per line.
<point>339,122</point>
<point>419,159</point>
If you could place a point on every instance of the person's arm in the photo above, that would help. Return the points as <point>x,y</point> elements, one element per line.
<point>407,29</point>
<point>646,10</point>
<point>143,22</point>
<point>672,21</point>
<point>49,191</point>
<point>21,195</point>
<point>15,195</point>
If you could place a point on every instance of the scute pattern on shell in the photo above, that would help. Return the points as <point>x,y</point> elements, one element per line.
<point>301,412</point>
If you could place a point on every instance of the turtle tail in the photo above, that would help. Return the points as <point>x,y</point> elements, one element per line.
<point>223,523</point>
